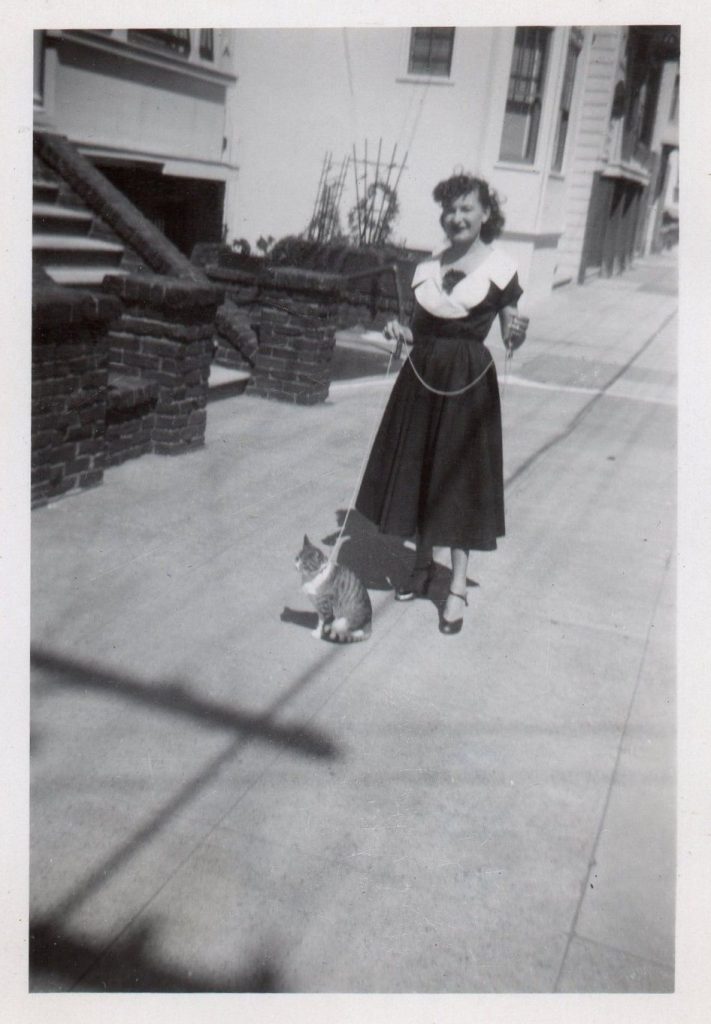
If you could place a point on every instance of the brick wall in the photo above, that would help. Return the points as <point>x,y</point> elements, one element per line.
<point>268,307</point>
<point>69,378</point>
<point>164,338</point>
<point>368,301</point>
<point>296,335</point>
<point>130,418</point>
<point>237,321</point>
<point>236,336</point>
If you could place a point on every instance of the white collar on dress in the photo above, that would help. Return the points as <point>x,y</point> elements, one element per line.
<point>473,288</point>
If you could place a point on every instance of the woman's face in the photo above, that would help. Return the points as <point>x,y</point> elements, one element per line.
<point>463,217</point>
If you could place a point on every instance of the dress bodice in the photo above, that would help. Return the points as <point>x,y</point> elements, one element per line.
<point>473,326</point>
<point>454,305</point>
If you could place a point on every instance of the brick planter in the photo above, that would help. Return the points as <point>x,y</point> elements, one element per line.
<point>296,335</point>
<point>69,379</point>
<point>164,337</point>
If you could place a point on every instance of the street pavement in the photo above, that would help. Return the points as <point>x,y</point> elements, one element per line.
<point>220,802</point>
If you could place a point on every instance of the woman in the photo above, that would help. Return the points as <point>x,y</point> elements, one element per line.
<point>436,468</point>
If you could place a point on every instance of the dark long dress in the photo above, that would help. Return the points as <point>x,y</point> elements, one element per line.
<point>436,466</point>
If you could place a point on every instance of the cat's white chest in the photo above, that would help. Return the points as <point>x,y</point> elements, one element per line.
<point>312,587</point>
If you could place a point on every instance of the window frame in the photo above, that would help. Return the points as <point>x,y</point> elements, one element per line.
<point>206,44</point>
<point>428,73</point>
<point>176,41</point>
<point>532,81</point>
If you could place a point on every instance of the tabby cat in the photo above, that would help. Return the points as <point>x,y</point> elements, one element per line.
<point>341,600</point>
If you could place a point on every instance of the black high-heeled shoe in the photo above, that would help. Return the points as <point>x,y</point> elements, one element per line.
<point>447,626</point>
<point>418,583</point>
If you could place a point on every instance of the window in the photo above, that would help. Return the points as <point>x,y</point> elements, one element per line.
<point>431,51</point>
<point>575,45</point>
<point>177,40</point>
<point>207,44</point>
<point>525,95</point>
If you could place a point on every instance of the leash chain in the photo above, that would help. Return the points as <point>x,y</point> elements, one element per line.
<point>449,394</point>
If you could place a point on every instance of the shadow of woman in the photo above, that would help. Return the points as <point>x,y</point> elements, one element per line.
<point>380,561</point>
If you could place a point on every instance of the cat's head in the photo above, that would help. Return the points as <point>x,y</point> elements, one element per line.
<point>310,559</point>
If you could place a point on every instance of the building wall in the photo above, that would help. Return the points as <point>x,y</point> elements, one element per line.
<point>123,101</point>
<point>303,93</point>
<point>599,74</point>
<point>665,143</point>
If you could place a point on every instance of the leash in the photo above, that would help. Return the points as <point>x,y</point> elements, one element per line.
<point>507,369</point>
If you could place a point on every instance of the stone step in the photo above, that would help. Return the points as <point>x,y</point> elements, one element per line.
<point>362,353</point>
<point>80,276</point>
<point>52,219</point>
<point>44,191</point>
<point>225,382</point>
<point>73,250</point>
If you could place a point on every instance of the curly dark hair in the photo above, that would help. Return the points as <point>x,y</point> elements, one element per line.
<point>461,185</point>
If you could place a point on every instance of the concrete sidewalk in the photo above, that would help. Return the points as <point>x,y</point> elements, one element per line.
<point>222,803</point>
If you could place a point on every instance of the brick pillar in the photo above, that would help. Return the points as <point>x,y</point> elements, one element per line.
<point>69,377</point>
<point>296,335</point>
<point>165,337</point>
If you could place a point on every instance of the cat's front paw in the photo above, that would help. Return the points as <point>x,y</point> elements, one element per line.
<point>317,633</point>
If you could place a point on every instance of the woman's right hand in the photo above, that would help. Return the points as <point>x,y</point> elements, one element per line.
<point>395,331</point>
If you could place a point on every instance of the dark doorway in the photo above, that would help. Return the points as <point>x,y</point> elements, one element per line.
<point>186,210</point>
<point>612,224</point>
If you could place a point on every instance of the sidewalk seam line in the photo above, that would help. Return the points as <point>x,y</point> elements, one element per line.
<point>626,952</point>
<point>582,413</point>
<point>572,934</point>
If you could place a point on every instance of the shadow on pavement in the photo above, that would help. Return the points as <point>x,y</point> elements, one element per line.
<point>309,620</point>
<point>178,699</point>
<point>59,962</point>
<point>304,740</point>
<point>380,561</point>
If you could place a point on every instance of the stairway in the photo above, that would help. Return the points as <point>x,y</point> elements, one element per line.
<point>63,243</point>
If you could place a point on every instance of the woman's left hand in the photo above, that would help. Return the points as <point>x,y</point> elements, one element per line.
<point>518,325</point>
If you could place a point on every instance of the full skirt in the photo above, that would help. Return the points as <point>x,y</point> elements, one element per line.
<point>436,467</point>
